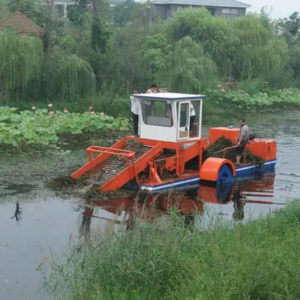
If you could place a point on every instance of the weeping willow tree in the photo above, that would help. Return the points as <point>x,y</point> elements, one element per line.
<point>258,53</point>
<point>76,77</point>
<point>188,68</point>
<point>20,62</point>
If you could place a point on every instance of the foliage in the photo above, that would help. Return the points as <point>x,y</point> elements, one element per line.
<point>192,69</point>
<point>155,50</point>
<point>129,45</point>
<point>26,7</point>
<point>100,35</point>
<point>263,100</point>
<point>291,24</point>
<point>216,35</point>
<point>43,127</point>
<point>123,12</point>
<point>77,12</point>
<point>252,261</point>
<point>257,55</point>
<point>20,61</point>
<point>76,76</point>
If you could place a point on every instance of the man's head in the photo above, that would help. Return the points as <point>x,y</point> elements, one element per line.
<point>242,122</point>
<point>153,88</point>
<point>135,91</point>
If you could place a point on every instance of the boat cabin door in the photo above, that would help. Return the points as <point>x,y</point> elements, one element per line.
<point>183,131</point>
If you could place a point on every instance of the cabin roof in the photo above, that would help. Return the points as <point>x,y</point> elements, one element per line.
<point>168,96</point>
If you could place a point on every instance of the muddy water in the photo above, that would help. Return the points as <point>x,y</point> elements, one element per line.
<point>37,222</point>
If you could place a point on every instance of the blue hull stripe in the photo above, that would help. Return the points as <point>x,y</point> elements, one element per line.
<point>240,171</point>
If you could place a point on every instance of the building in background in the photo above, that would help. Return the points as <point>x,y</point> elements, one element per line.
<point>228,9</point>
<point>22,24</point>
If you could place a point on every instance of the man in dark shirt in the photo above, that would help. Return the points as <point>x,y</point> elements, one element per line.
<point>243,139</point>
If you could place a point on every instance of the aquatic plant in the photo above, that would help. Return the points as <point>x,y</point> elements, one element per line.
<point>43,127</point>
<point>215,150</point>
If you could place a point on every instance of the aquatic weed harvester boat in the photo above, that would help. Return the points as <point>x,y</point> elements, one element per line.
<point>168,154</point>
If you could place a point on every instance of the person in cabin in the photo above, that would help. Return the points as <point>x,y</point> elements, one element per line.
<point>192,116</point>
<point>243,140</point>
<point>153,89</point>
<point>135,112</point>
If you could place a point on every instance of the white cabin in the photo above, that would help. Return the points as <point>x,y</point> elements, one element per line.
<point>168,116</point>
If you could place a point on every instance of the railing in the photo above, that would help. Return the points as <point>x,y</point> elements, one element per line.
<point>107,150</point>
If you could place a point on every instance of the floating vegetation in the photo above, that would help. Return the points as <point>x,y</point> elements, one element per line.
<point>215,150</point>
<point>95,194</point>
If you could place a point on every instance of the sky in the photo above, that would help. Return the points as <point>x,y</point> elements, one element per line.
<point>277,8</point>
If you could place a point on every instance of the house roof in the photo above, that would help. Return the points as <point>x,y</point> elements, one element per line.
<point>168,96</point>
<point>214,3</point>
<point>22,23</point>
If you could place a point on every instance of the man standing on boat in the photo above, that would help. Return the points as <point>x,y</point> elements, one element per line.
<point>243,140</point>
<point>135,112</point>
<point>153,89</point>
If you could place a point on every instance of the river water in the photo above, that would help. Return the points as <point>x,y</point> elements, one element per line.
<point>37,223</point>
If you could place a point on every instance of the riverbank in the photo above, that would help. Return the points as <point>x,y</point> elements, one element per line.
<point>259,260</point>
<point>32,123</point>
<point>221,100</point>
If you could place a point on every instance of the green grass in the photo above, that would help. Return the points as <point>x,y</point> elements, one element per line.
<point>259,260</point>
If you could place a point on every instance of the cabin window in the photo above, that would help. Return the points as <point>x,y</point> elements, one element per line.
<point>184,114</point>
<point>157,113</point>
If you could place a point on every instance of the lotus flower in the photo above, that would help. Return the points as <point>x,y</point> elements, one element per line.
<point>219,86</point>
<point>33,108</point>
<point>102,114</point>
<point>50,105</point>
<point>65,111</point>
<point>92,112</point>
<point>91,108</point>
<point>51,112</point>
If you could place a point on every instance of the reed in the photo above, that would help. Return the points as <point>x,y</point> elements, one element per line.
<point>259,260</point>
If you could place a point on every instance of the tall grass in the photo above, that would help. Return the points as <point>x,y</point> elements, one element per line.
<point>259,260</point>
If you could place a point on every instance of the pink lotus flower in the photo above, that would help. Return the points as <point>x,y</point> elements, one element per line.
<point>92,112</point>
<point>51,112</point>
<point>65,111</point>
<point>33,108</point>
<point>102,114</point>
<point>50,105</point>
<point>91,108</point>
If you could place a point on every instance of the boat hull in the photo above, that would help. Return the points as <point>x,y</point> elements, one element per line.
<point>195,180</point>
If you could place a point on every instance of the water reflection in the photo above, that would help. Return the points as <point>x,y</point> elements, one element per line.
<point>18,213</point>
<point>187,204</point>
